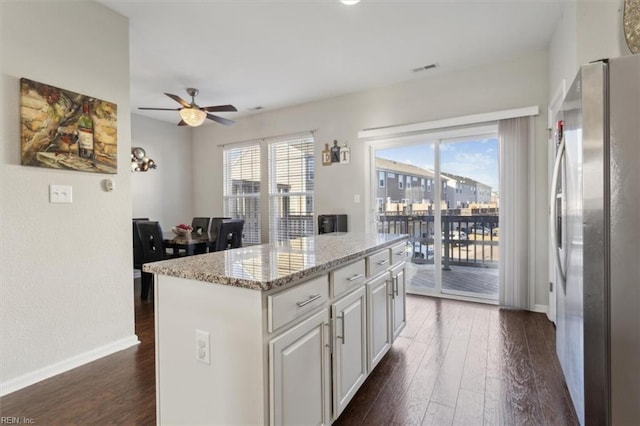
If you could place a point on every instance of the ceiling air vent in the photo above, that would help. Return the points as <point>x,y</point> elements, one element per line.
<point>424,68</point>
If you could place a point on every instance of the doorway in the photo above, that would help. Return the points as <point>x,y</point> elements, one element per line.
<point>443,192</point>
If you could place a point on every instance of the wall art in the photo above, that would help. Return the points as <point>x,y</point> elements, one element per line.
<point>631,23</point>
<point>61,129</point>
<point>336,154</point>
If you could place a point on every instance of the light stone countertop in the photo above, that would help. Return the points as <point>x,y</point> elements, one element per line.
<point>268,266</point>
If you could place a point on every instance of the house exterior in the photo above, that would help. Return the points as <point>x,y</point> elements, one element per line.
<point>405,187</point>
<point>464,191</point>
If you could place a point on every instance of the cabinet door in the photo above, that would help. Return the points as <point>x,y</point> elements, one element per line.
<point>399,314</point>
<point>350,347</point>
<point>379,316</point>
<point>299,376</point>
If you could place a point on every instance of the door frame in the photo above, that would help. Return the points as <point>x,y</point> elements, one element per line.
<point>437,138</point>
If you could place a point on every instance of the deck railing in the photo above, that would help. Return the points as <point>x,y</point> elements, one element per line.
<point>466,240</point>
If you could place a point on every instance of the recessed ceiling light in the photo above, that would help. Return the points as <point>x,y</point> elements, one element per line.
<point>350,2</point>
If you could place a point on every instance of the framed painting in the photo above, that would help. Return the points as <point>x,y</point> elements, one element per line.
<point>631,22</point>
<point>61,129</point>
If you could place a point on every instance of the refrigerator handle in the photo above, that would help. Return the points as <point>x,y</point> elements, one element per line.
<point>553,205</point>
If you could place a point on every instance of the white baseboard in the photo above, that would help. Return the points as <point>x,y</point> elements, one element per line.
<point>540,308</point>
<point>68,364</point>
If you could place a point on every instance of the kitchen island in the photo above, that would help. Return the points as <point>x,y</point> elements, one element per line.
<point>277,333</point>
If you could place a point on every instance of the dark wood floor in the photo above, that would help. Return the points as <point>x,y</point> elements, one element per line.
<point>463,363</point>
<point>114,390</point>
<point>455,363</point>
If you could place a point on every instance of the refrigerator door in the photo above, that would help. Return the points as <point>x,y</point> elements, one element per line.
<point>569,314</point>
<point>595,206</point>
<point>624,233</point>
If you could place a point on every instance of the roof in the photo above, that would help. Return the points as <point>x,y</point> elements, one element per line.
<point>402,168</point>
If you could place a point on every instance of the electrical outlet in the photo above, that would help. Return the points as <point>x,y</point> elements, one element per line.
<point>60,194</point>
<point>203,347</point>
<point>356,198</point>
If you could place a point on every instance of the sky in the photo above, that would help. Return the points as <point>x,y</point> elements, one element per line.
<point>476,159</point>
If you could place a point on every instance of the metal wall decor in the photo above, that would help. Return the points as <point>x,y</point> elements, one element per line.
<point>61,129</point>
<point>631,23</point>
<point>139,160</point>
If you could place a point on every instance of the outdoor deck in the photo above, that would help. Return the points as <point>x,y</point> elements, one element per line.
<point>481,281</point>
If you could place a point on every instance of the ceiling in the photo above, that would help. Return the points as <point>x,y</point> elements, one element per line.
<point>275,54</point>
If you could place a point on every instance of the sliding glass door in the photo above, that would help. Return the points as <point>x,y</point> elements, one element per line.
<point>443,193</point>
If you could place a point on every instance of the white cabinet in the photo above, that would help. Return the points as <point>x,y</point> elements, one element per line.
<point>299,374</point>
<point>347,277</point>
<point>398,309</point>
<point>289,305</point>
<point>379,318</point>
<point>295,354</point>
<point>350,347</point>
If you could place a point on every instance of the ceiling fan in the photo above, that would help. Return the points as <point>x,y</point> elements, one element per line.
<point>194,115</point>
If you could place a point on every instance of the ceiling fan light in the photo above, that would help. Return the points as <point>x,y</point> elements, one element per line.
<point>193,116</point>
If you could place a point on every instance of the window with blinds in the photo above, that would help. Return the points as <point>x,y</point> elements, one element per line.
<point>242,189</point>
<point>291,187</point>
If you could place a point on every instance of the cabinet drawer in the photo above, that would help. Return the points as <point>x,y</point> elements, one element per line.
<point>347,277</point>
<point>377,263</point>
<point>290,304</point>
<point>398,253</point>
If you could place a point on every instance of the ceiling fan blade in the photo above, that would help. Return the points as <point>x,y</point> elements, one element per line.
<point>182,123</point>
<point>179,100</point>
<point>161,109</point>
<point>219,108</point>
<point>220,120</point>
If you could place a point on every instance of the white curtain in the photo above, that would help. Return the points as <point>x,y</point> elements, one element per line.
<point>516,141</point>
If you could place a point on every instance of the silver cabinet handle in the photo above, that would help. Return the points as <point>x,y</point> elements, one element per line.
<point>383,262</point>
<point>395,286</point>
<point>341,318</point>
<point>355,277</point>
<point>309,300</point>
<point>399,253</point>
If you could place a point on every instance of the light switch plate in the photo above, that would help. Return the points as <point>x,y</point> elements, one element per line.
<point>60,194</point>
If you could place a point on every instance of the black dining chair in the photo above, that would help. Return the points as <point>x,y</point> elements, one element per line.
<point>137,247</point>
<point>200,226</point>
<point>215,225</point>
<point>151,250</point>
<point>229,234</point>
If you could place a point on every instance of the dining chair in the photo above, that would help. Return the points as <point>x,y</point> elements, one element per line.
<point>137,247</point>
<point>215,225</point>
<point>151,249</point>
<point>200,225</point>
<point>229,234</point>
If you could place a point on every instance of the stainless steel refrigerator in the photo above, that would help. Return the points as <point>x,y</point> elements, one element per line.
<point>596,219</point>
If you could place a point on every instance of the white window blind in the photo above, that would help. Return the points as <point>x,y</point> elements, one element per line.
<point>291,187</point>
<point>242,189</point>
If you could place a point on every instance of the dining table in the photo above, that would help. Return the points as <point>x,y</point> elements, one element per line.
<point>189,244</point>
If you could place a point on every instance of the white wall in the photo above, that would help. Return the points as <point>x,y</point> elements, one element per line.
<point>164,194</point>
<point>517,83</point>
<point>66,291</point>
<point>589,30</point>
